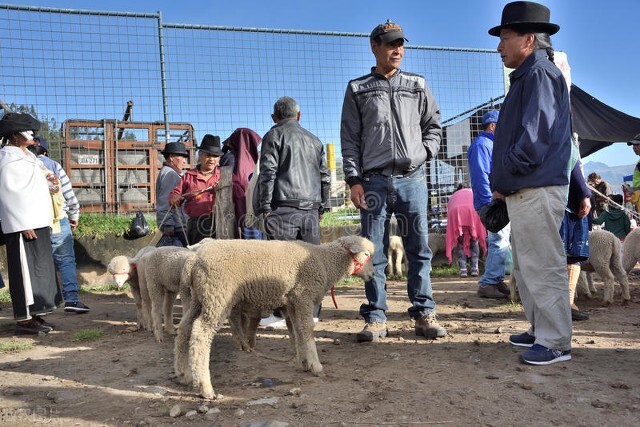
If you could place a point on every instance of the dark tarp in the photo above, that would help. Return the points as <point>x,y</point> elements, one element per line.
<point>597,124</point>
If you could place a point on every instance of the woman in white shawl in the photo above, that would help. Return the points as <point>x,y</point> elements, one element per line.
<point>26,215</point>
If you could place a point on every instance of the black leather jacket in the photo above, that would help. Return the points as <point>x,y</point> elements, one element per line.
<point>293,169</point>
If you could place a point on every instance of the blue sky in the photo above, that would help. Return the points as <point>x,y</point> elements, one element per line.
<point>598,37</point>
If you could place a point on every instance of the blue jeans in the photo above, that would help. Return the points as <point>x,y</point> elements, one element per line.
<point>497,253</point>
<point>65,260</point>
<point>406,197</point>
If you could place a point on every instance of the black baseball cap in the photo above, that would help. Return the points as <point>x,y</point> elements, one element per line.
<point>387,32</point>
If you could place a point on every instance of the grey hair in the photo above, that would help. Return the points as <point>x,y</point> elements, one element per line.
<point>285,108</point>
<point>543,41</point>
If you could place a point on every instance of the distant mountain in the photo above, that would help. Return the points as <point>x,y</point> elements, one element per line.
<point>612,174</point>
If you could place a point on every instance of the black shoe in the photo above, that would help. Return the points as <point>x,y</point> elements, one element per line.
<point>577,315</point>
<point>31,327</point>
<point>75,307</point>
<point>43,322</point>
<point>504,288</point>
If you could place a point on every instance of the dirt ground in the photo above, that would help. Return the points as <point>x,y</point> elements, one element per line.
<point>471,377</point>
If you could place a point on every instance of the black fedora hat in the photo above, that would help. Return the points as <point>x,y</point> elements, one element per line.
<point>176,148</point>
<point>526,15</point>
<point>211,144</point>
<point>17,122</point>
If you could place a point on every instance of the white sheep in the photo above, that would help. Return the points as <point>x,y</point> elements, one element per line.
<point>159,274</point>
<point>605,258</point>
<point>396,255</point>
<point>124,269</point>
<point>232,277</point>
<point>631,250</point>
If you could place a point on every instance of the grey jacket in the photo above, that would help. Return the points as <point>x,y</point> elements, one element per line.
<point>167,180</point>
<point>388,126</point>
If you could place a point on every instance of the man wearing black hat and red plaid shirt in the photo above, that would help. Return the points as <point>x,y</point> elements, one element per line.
<point>532,160</point>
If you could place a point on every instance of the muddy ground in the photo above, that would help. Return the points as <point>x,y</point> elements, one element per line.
<point>471,377</point>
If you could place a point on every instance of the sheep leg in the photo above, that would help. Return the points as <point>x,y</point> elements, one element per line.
<point>202,334</point>
<point>591,285</point>
<point>145,300</point>
<point>583,285</point>
<point>181,346</point>
<point>185,298</point>
<point>251,329</point>
<point>621,276</point>
<point>608,279</point>
<point>398,262</point>
<point>513,288</point>
<point>236,324</point>
<point>302,329</point>
<point>169,299</point>
<point>135,291</point>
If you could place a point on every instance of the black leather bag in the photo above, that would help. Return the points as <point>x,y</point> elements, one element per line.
<point>494,216</point>
<point>139,227</point>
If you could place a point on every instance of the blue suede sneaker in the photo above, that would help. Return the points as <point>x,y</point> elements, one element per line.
<point>541,355</point>
<point>522,340</point>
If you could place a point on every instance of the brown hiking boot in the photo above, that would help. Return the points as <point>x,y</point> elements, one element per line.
<point>427,326</point>
<point>504,288</point>
<point>490,291</point>
<point>372,331</point>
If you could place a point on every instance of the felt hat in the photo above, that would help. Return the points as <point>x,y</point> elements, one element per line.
<point>17,122</point>
<point>527,16</point>
<point>387,32</point>
<point>175,148</point>
<point>211,144</point>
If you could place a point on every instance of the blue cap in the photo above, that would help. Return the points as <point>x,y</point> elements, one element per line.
<point>490,117</point>
<point>42,142</point>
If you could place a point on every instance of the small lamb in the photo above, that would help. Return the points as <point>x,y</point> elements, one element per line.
<point>124,269</point>
<point>236,278</point>
<point>159,278</point>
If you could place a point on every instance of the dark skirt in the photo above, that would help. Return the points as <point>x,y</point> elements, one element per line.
<point>575,234</point>
<point>42,273</point>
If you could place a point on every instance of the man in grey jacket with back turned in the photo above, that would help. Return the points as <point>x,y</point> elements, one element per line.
<point>390,128</point>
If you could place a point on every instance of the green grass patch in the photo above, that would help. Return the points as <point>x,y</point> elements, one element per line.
<point>98,225</point>
<point>13,346</point>
<point>88,289</point>
<point>342,216</point>
<point>444,271</point>
<point>350,281</point>
<point>87,335</point>
<point>4,295</point>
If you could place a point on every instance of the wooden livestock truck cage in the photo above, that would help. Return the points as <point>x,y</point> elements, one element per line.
<point>113,165</point>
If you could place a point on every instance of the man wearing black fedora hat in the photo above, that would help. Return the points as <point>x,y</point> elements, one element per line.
<point>531,166</point>
<point>171,221</point>
<point>197,189</point>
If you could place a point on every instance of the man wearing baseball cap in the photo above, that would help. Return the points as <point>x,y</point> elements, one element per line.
<point>390,128</point>
<point>491,283</point>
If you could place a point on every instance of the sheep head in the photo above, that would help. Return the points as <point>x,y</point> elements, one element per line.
<point>120,268</point>
<point>361,250</point>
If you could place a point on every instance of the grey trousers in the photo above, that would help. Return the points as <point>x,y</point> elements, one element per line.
<point>540,263</point>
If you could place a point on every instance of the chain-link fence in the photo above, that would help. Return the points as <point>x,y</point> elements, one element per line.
<point>70,66</point>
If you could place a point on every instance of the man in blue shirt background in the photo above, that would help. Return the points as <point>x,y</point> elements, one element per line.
<point>491,284</point>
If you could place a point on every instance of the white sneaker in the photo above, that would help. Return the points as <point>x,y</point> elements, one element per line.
<point>273,322</point>
<point>316,320</point>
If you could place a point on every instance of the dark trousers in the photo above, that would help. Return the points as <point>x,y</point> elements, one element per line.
<point>287,223</point>
<point>200,227</point>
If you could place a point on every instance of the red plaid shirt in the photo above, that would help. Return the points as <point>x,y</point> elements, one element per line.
<point>192,181</point>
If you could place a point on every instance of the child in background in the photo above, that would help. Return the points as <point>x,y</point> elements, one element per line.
<point>465,232</point>
<point>615,219</point>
